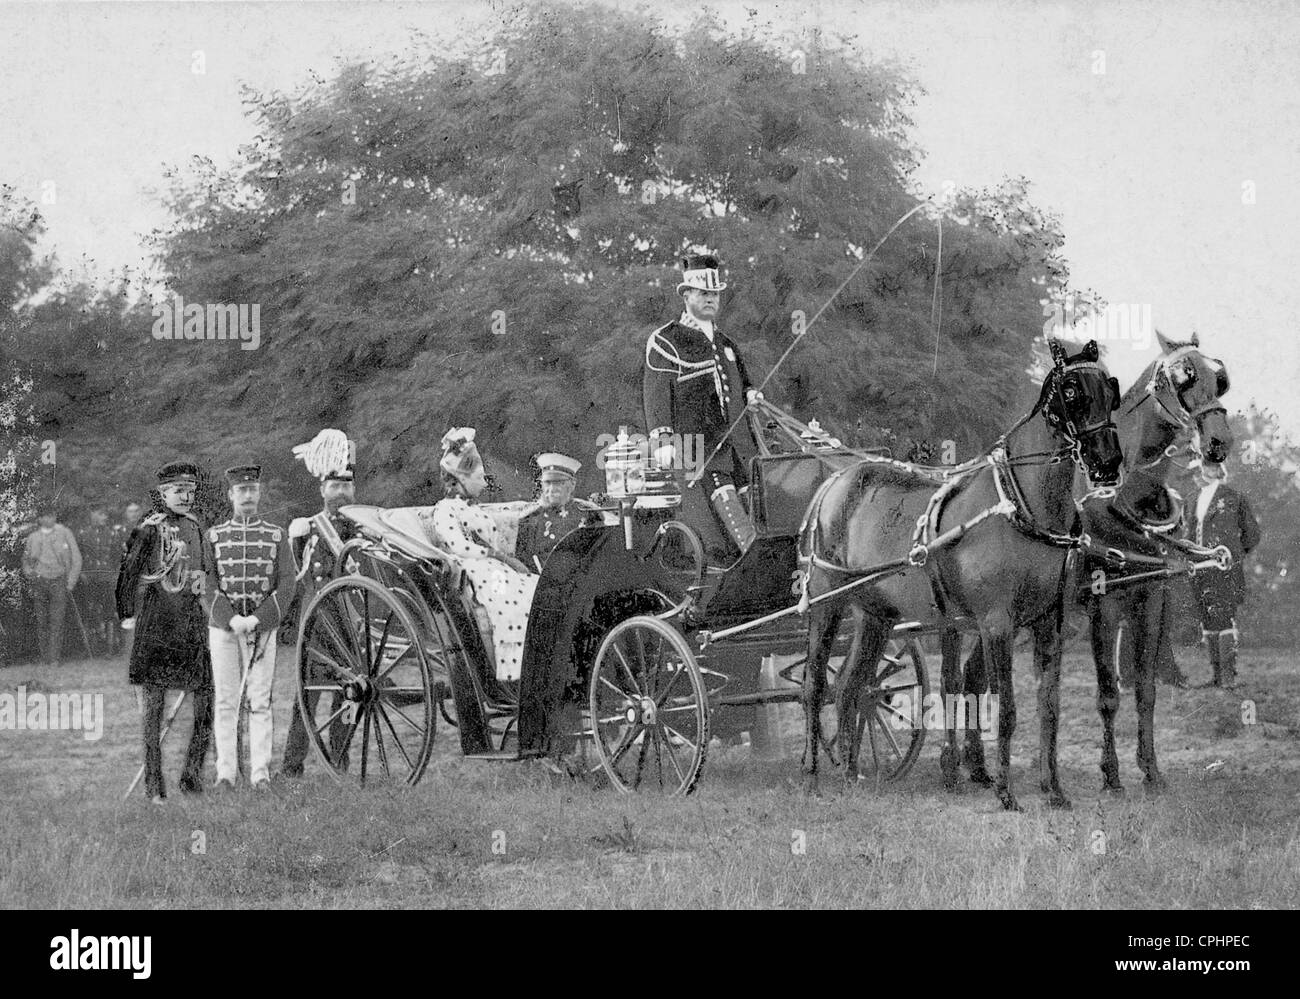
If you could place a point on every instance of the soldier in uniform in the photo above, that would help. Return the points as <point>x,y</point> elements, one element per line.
<point>314,540</point>
<point>101,553</point>
<point>558,516</point>
<point>1223,517</point>
<point>694,383</point>
<point>165,554</point>
<point>250,581</point>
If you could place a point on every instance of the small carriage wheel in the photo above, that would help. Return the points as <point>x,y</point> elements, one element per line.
<point>362,668</point>
<point>649,708</point>
<point>891,711</point>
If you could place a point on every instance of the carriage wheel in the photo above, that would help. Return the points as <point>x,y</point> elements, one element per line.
<point>679,553</point>
<point>365,687</point>
<point>889,723</point>
<point>649,708</point>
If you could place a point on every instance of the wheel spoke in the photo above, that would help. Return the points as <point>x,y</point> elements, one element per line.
<point>880,723</point>
<point>681,668</point>
<point>402,714</point>
<point>371,665</point>
<point>331,719</point>
<point>672,758</point>
<point>626,668</point>
<point>610,684</point>
<point>365,744</point>
<point>640,760</point>
<point>627,744</point>
<point>396,739</point>
<point>379,744</point>
<point>383,641</point>
<point>320,654</point>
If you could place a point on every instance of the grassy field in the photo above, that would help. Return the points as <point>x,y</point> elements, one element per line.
<point>513,835</point>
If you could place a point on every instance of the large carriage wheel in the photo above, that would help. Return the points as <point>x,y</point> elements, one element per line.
<point>890,712</point>
<point>649,708</point>
<point>365,688</point>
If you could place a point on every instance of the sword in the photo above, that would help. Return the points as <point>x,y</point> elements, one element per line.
<point>161,736</point>
<point>245,668</point>
<point>76,612</point>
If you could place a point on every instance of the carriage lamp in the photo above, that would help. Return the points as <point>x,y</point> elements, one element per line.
<point>624,467</point>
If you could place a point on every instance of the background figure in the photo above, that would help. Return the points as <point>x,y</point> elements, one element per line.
<point>51,563</point>
<point>101,554</point>
<point>1223,517</point>
<point>248,588</point>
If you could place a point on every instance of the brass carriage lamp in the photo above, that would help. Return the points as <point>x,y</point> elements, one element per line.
<point>624,467</point>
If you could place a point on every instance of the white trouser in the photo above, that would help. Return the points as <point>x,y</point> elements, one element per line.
<point>226,680</point>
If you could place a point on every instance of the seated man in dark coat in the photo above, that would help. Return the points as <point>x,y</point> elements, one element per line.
<point>558,516</point>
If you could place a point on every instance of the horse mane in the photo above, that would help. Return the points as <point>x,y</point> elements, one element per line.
<point>1130,397</point>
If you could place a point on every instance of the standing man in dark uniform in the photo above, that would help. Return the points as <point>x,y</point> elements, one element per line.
<point>250,583</point>
<point>315,541</point>
<point>558,516</point>
<point>694,385</point>
<point>1222,517</point>
<point>165,553</point>
<point>101,554</point>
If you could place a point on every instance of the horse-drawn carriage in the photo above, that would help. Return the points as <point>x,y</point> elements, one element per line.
<point>636,650</point>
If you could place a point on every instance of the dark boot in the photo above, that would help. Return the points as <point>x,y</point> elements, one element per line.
<point>1211,640</point>
<point>1227,642</point>
<point>731,512</point>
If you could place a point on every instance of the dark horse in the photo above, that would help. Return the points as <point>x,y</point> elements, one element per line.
<point>988,545</point>
<point>1172,404</point>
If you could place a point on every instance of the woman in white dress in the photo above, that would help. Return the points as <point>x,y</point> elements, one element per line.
<point>502,583</point>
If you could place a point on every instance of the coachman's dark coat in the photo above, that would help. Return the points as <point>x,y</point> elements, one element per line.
<point>691,386</point>
<point>171,630</point>
<point>1229,521</point>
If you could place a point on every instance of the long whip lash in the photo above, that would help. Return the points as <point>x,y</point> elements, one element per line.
<point>817,315</point>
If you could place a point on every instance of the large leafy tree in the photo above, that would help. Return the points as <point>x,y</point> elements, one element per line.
<point>486,237</point>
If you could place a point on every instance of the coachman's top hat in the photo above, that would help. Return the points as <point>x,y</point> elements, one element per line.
<point>178,473</point>
<point>700,271</point>
<point>240,474</point>
<point>554,467</point>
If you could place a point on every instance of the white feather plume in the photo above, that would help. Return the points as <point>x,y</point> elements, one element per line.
<point>325,454</point>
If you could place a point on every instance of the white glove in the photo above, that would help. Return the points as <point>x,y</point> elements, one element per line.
<point>128,624</point>
<point>240,624</point>
<point>665,455</point>
<point>753,395</point>
<point>299,527</point>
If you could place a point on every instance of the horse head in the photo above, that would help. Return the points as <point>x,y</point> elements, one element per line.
<point>1079,395</point>
<point>1187,386</point>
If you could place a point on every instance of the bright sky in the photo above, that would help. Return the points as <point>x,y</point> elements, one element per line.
<point>1149,128</point>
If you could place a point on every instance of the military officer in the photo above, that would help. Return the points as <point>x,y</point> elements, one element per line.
<point>250,581</point>
<point>694,382</point>
<point>315,540</point>
<point>101,555</point>
<point>558,516</point>
<point>1223,517</point>
<point>165,554</point>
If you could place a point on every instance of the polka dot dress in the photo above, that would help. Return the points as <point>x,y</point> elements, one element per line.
<point>470,533</point>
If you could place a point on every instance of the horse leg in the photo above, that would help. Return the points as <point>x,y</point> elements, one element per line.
<point>950,644</point>
<point>997,633</point>
<point>823,624</point>
<point>1146,641</point>
<point>1104,618</point>
<point>976,685</point>
<point>1047,660</point>
<point>869,638</point>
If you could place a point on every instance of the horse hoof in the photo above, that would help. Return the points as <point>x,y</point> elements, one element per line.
<point>1155,785</point>
<point>1060,801</point>
<point>981,777</point>
<point>1113,787</point>
<point>1009,803</point>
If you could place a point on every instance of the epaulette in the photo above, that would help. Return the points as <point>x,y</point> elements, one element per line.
<point>153,520</point>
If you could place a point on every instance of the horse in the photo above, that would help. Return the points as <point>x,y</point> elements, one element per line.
<point>989,545</point>
<point>1173,404</point>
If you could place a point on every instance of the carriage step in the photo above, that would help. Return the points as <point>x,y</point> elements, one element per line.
<point>510,755</point>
